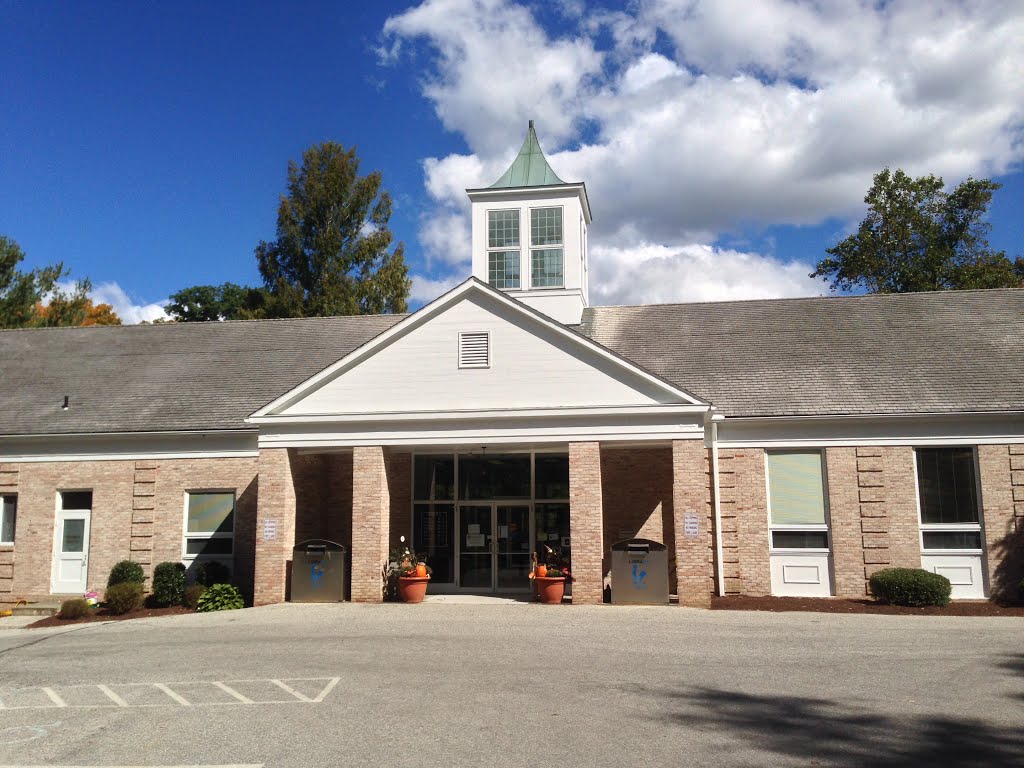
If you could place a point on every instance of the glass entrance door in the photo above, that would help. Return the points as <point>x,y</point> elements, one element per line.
<point>494,547</point>
<point>476,556</point>
<point>512,569</point>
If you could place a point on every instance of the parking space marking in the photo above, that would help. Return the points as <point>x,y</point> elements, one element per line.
<point>259,690</point>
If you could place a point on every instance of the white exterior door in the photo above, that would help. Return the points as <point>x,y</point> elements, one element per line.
<point>71,554</point>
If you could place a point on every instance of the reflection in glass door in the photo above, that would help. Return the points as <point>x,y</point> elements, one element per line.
<point>513,549</point>
<point>476,558</point>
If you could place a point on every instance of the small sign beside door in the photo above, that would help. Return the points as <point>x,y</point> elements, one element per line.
<point>270,529</point>
<point>691,525</point>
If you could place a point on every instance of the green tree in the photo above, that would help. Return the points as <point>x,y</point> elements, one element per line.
<point>918,237</point>
<point>22,293</point>
<point>331,253</point>
<point>217,302</point>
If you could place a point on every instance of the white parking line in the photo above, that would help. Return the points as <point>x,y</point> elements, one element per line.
<point>180,699</point>
<point>259,690</point>
<point>232,692</point>
<point>113,696</point>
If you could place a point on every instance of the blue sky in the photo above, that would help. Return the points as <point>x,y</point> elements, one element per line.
<point>147,145</point>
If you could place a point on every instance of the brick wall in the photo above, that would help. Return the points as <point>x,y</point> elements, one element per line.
<point>1002,495</point>
<point>138,512</point>
<point>277,503</point>
<point>586,522</point>
<point>694,554</point>
<point>744,509</point>
<point>636,488</point>
<point>371,518</point>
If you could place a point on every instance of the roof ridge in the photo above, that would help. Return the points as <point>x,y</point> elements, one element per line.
<point>830,297</point>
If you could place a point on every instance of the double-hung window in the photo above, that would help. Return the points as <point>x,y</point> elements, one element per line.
<point>546,248</point>
<point>209,525</point>
<point>796,501</point>
<point>947,489</point>
<point>8,518</point>
<point>503,249</point>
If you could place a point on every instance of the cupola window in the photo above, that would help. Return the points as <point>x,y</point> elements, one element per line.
<point>503,249</point>
<point>546,261</point>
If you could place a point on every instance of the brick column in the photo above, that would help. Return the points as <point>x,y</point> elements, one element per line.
<point>691,495</point>
<point>275,515</point>
<point>371,513</point>
<point>586,523</point>
<point>1002,501</point>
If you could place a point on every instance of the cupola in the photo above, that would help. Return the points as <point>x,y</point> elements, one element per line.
<point>530,235</point>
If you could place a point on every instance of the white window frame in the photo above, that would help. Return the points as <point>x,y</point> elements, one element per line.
<point>815,528</point>
<point>506,249</point>
<point>950,527</point>
<point>3,506</point>
<point>547,247</point>
<point>186,556</point>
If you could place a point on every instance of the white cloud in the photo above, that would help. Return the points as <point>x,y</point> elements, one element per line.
<point>124,306</point>
<point>752,114</point>
<point>657,274</point>
<point>425,289</point>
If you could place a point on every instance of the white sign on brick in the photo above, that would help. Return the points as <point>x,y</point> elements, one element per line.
<point>691,525</point>
<point>269,529</point>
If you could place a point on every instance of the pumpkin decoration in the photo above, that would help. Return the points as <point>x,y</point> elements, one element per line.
<point>542,570</point>
<point>421,569</point>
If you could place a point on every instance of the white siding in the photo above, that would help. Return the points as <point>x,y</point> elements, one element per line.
<point>531,366</point>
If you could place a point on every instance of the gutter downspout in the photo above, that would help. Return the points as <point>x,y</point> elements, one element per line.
<point>719,565</point>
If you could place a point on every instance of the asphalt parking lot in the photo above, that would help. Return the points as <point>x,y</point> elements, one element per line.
<point>515,685</point>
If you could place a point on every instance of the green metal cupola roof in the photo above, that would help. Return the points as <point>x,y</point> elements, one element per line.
<point>530,168</point>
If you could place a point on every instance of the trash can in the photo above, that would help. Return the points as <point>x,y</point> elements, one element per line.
<point>318,572</point>
<point>640,572</point>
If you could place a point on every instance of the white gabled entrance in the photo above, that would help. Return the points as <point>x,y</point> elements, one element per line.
<point>71,543</point>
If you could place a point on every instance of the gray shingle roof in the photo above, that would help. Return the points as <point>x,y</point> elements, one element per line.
<point>911,353</point>
<point>908,353</point>
<point>169,377</point>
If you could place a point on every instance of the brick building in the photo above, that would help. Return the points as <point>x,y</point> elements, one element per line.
<point>786,447</point>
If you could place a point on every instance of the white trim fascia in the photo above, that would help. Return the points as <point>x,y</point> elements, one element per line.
<point>436,307</point>
<point>130,446</point>
<point>128,456</point>
<point>525,193</point>
<point>980,428</point>
<point>124,435</point>
<point>504,413</point>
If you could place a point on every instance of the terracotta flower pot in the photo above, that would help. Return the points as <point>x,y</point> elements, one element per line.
<point>412,589</point>
<point>550,589</point>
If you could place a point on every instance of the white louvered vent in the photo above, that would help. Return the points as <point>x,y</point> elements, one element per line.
<point>475,350</point>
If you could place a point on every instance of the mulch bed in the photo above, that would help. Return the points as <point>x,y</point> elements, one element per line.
<point>102,615</point>
<point>840,605</point>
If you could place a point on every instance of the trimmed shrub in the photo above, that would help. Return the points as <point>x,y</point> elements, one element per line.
<point>168,584</point>
<point>914,587</point>
<point>123,597</point>
<point>126,572</point>
<point>221,597</point>
<point>75,608</point>
<point>212,572</point>
<point>192,595</point>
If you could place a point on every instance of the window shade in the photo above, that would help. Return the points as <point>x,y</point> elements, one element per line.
<point>210,512</point>
<point>797,496</point>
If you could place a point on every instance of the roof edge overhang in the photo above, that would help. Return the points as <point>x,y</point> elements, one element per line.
<point>434,308</point>
<point>538,191</point>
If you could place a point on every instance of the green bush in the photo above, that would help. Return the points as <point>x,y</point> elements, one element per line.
<point>192,594</point>
<point>123,597</point>
<point>76,608</point>
<point>910,586</point>
<point>168,584</point>
<point>126,572</point>
<point>221,597</point>
<point>212,572</point>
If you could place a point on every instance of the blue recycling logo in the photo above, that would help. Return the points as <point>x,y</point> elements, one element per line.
<point>639,577</point>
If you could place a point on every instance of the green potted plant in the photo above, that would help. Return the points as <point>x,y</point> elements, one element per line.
<point>549,578</point>
<point>411,572</point>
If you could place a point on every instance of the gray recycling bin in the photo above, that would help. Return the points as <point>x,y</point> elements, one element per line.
<point>318,572</point>
<point>640,572</point>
